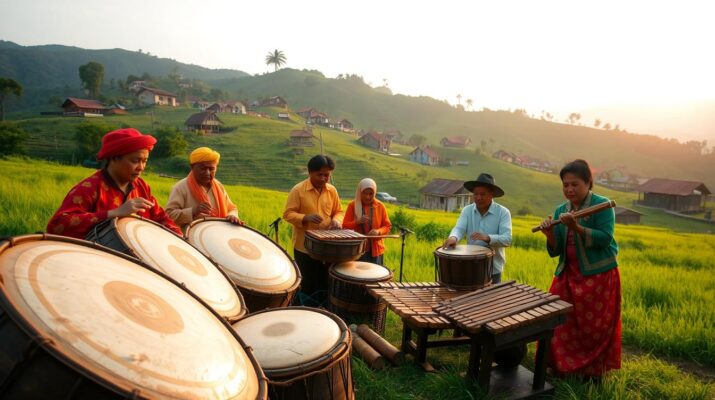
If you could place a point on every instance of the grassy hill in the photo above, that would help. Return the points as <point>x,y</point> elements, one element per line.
<point>256,153</point>
<point>667,282</point>
<point>51,70</point>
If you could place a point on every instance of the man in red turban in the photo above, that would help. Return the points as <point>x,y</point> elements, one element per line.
<point>114,191</point>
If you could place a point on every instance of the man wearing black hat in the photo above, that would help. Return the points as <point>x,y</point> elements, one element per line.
<point>484,222</point>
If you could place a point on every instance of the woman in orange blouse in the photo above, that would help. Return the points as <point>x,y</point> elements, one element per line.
<point>368,216</point>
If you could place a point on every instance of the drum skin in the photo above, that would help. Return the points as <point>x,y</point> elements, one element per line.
<point>165,251</point>
<point>350,300</point>
<point>263,272</point>
<point>330,251</point>
<point>304,352</point>
<point>464,267</point>
<point>80,322</point>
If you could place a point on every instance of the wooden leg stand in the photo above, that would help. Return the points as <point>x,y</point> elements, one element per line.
<point>418,347</point>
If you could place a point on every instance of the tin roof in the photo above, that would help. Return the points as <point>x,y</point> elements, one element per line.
<point>671,186</point>
<point>444,187</point>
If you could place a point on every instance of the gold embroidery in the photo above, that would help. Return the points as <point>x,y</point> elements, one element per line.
<point>74,221</point>
<point>77,200</point>
<point>87,184</point>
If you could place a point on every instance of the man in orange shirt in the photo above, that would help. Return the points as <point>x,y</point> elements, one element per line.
<point>313,204</point>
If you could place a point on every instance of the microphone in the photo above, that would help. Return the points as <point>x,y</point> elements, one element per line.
<point>275,223</point>
<point>405,230</point>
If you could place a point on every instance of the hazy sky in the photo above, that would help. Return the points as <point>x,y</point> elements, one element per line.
<point>644,64</point>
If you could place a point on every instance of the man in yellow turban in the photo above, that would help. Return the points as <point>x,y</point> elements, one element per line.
<point>200,194</point>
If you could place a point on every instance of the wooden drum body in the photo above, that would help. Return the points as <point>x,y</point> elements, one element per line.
<point>349,298</point>
<point>464,267</point>
<point>168,253</point>
<point>80,322</point>
<point>334,246</point>
<point>264,273</point>
<point>304,352</point>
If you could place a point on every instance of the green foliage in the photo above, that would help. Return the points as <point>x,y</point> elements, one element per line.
<point>432,231</point>
<point>277,58</point>
<point>8,87</point>
<point>88,137</point>
<point>416,139</point>
<point>170,142</point>
<point>525,210</point>
<point>92,76</point>
<point>12,139</point>
<point>402,218</point>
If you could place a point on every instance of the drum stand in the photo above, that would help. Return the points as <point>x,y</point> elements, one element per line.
<point>403,232</point>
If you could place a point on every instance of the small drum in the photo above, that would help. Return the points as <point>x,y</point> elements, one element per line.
<point>464,267</point>
<point>165,251</point>
<point>80,322</point>
<point>304,352</point>
<point>335,246</point>
<point>350,300</point>
<point>262,270</point>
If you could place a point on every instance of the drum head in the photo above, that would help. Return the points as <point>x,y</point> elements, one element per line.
<point>124,323</point>
<point>182,262</point>
<point>288,337</point>
<point>360,270</point>
<point>466,250</point>
<point>250,259</point>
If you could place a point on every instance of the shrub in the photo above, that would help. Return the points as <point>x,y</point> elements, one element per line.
<point>525,210</point>
<point>88,137</point>
<point>402,218</point>
<point>169,142</point>
<point>12,139</point>
<point>432,231</point>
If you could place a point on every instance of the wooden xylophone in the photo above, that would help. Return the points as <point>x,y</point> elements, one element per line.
<point>501,307</point>
<point>335,234</point>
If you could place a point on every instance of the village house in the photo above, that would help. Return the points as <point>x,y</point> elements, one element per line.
<point>504,156</point>
<point>74,107</point>
<point>375,141</point>
<point>627,216</point>
<point>424,155</point>
<point>301,137</point>
<point>534,163</point>
<point>204,122</point>
<point>343,125</point>
<point>232,107</point>
<point>674,195</point>
<point>201,104</point>
<point>444,194</point>
<point>284,116</point>
<point>617,178</point>
<point>314,117</point>
<point>395,136</point>
<point>275,101</point>
<point>153,96</point>
<point>455,141</point>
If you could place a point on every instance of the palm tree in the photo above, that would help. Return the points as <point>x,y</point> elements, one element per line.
<point>277,58</point>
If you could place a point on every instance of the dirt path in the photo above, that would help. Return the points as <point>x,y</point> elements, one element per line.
<point>702,372</point>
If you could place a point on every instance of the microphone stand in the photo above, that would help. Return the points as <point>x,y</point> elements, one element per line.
<point>274,226</point>
<point>403,232</point>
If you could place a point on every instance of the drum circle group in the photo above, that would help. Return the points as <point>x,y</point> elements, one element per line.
<point>136,311</point>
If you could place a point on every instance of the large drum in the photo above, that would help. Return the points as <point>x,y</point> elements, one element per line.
<point>305,352</point>
<point>165,251</point>
<point>262,270</point>
<point>334,245</point>
<point>464,267</point>
<point>80,322</point>
<point>350,300</point>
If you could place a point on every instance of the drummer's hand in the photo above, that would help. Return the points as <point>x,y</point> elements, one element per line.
<point>568,220</point>
<point>450,242</point>
<point>374,232</point>
<point>362,219</point>
<point>546,227</point>
<point>130,206</point>
<point>480,236</point>
<point>335,224</point>
<point>314,218</point>
<point>201,210</point>
<point>235,220</point>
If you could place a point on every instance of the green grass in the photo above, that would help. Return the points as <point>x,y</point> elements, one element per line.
<point>256,154</point>
<point>668,281</point>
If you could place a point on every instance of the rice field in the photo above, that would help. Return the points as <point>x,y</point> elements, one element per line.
<point>668,283</point>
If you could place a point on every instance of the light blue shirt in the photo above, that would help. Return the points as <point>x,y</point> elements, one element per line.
<point>496,223</point>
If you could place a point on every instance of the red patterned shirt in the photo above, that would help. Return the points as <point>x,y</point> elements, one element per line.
<point>89,201</point>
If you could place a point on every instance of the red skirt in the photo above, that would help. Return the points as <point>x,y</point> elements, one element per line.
<point>589,343</point>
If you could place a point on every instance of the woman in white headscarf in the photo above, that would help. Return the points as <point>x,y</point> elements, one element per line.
<point>367,215</point>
